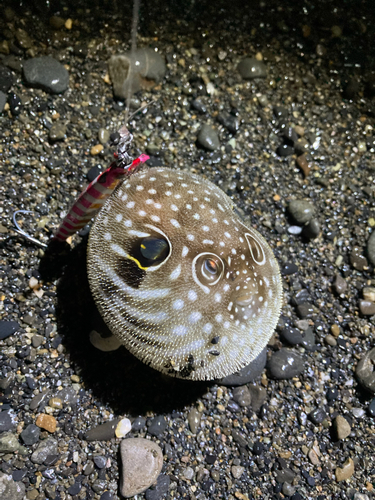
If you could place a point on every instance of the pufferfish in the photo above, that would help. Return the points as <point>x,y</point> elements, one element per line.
<point>179,279</point>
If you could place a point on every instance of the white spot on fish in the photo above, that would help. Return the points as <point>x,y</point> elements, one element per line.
<point>184,252</point>
<point>190,237</point>
<point>142,213</point>
<point>180,330</point>
<point>178,304</point>
<point>174,208</point>
<point>119,217</point>
<point>128,223</point>
<point>219,318</point>
<point>192,295</point>
<point>207,328</point>
<point>196,216</point>
<point>107,236</point>
<point>195,317</point>
<point>139,188</point>
<point>130,204</point>
<point>175,273</point>
<point>217,297</point>
<point>175,223</point>
<point>205,228</point>
<point>155,218</point>
<point>152,191</point>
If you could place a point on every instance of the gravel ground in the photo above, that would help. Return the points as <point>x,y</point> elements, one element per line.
<point>301,131</point>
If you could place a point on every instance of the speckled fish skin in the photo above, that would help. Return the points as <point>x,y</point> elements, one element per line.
<point>177,316</point>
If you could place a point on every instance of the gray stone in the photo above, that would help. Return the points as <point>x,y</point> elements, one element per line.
<point>7,420</point>
<point>9,444</point>
<point>194,419</point>
<point>367,307</point>
<point>208,138</point>
<point>46,73</point>
<point>241,395</point>
<point>103,432</point>
<point>288,490</point>
<point>142,72</point>
<point>46,447</point>
<point>188,473</point>
<point>9,489</point>
<point>302,211</point>
<point>57,132</point>
<point>340,285</point>
<point>247,374</point>
<point>142,461</point>
<point>7,328</point>
<point>30,435</point>
<point>103,136</point>
<point>285,364</point>
<point>38,399</point>
<point>158,426</point>
<point>68,396</point>
<point>371,248</point>
<point>237,471</point>
<point>258,395</point>
<point>37,340</point>
<point>3,100</point>
<point>365,371</point>
<point>250,68</point>
<point>342,427</point>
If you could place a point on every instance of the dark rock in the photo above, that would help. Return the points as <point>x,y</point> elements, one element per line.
<point>46,73</point>
<point>285,364</point>
<point>7,328</point>
<point>291,336</point>
<point>365,371</point>
<point>208,138</point>
<point>199,106</point>
<point>100,461</point>
<point>138,423</point>
<point>247,374</point>
<point>44,449</point>
<point>311,230</point>
<point>158,426</point>
<point>103,432</point>
<point>161,488</point>
<point>6,79</point>
<point>371,408</point>
<point>3,100</point>
<point>340,285</point>
<point>30,435</point>
<point>7,421</point>
<point>285,150</point>
<point>289,268</point>
<point>250,68</point>
<point>317,416</point>
<point>241,395</point>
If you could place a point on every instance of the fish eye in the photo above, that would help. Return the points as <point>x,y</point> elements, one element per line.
<point>150,251</point>
<point>208,268</point>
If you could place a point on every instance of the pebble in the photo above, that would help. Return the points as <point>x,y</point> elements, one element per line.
<point>346,471</point>
<point>371,248</point>
<point>250,68</point>
<point>303,165</point>
<point>157,491</point>
<point>3,100</point>
<point>317,416</point>
<point>46,73</point>
<point>194,420</point>
<point>237,471</point>
<point>365,371</point>
<point>148,68</point>
<point>23,39</point>
<point>30,435</point>
<point>288,490</point>
<point>44,449</point>
<point>15,104</point>
<point>371,408</point>
<point>291,336</point>
<point>9,443</point>
<point>248,373</point>
<point>37,340</point>
<point>242,396</point>
<point>285,150</point>
<point>38,399</point>
<point>199,106</point>
<point>357,260</point>
<point>103,432</point>
<point>369,293</point>
<point>157,426</point>
<point>47,422</point>
<point>95,150</point>
<point>138,424</point>
<point>285,364</point>
<point>302,211</point>
<point>367,307</point>
<point>142,461</point>
<point>7,328</point>
<point>289,268</point>
<point>258,395</point>
<point>57,132</point>
<point>100,461</point>
<point>188,473</point>
<point>55,403</point>
<point>360,496</point>
<point>340,285</point>
<point>123,428</point>
<point>342,427</point>
<point>311,230</point>
<point>7,421</point>
<point>10,489</point>
<point>103,136</point>
<point>6,79</point>
<point>330,340</point>
<point>93,173</point>
<point>208,138</point>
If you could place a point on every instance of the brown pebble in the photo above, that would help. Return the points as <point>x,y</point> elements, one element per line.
<point>95,150</point>
<point>335,330</point>
<point>330,340</point>
<point>46,422</point>
<point>303,165</point>
<point>299,130</point>
<point>55,403</point>
<point>314,459</point>
<point>346,471</point>
<point>342,427</point>
<point>357,260</point>
<point>366,307</point>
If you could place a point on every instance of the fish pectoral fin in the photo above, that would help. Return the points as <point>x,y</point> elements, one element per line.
<point>104,344</point>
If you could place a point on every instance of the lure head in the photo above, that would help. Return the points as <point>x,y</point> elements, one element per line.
<point>179,279</point>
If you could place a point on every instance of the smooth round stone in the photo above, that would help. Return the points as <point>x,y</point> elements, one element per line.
<point>208,138</point>
<point>142,461</point>
<point>107,495</point>
<point>142,71</point>
<point>138,423</point>
<point>241,395</point>
<point>103,432</point>
<point>311,230</point>
<point>9,443</point>
<point>340,285</point>
<point>330,340</point>
<point>317,416</point>
<point>371,248</point>
<point>158,426</point>
<point>291,335</point>
<point>198,105</point>
<point>250,68</point>
<point>57,132</point>
<point>194,420</point>
<point>302,211</point>
<point>285,150</point>
<point>346,471</point>
<point>287,489</point>
<point>100,461</point>
<point>342,427</point>
<point>30,435</point>
<point>46,73</point>
<point>357,260</point>
<point>369,293</point>
<point>15,104</point>
<point>295,230</point>
<point>157,492</point>
<point>285,364</point>
<point>360,496</point>
<point>10,489</point>
<point>93,173</point>
<point>237,471</point>
<point>371,408</point>
<point>365,371</point>
<point>55,403</point>
<point>103,136</point>
<point>289,268</point>
<point>247,374</point>
<point>188,473</point>
<point>7,328</point>
<point>367,307</point>
<point>75,488</point>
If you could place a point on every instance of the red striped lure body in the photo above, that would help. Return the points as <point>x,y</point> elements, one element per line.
<point>91,200</point>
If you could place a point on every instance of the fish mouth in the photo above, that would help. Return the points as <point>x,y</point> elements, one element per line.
<point>244,299</point>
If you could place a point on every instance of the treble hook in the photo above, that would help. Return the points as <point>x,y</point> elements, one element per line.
<point>22,232</point>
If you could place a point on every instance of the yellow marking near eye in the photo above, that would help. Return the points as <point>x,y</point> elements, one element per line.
<point>136,261</point>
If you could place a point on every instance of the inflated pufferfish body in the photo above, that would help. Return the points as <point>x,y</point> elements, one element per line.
<point>179,279</point>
